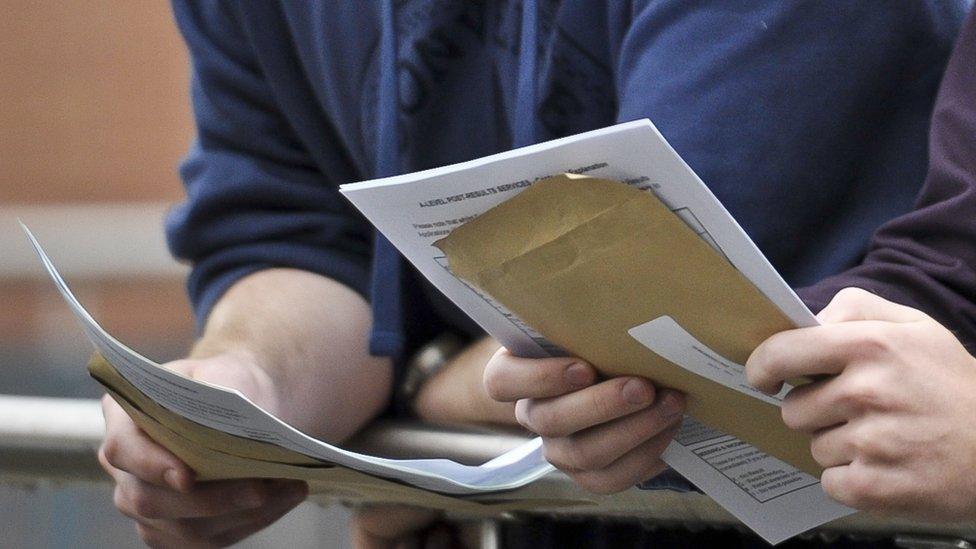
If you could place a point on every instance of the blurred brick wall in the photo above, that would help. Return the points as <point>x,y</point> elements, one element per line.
<point>93,102</point>
<point>93,109</point>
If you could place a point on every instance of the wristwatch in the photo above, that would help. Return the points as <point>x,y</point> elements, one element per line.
<point>426,362</point>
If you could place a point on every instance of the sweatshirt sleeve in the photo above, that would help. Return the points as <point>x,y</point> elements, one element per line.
<point>791,112</point>
<point>255,199</point>
<point>927,258</point>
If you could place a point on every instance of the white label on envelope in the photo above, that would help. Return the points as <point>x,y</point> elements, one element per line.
<point>667,338</point>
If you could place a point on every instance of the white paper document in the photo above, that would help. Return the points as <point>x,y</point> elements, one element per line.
<point>230,411</point>
<point>415,210</point>
<point>755,487</point>
<point>771,497</point>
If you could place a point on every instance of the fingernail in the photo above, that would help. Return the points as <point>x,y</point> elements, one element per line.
<point>172,478</point>
<point>248,498</point>
<point>578,374</point>
<point>636,392</point>
<point>670,404</point>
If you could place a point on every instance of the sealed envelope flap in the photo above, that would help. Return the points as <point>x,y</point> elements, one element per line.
<point>584,260</point>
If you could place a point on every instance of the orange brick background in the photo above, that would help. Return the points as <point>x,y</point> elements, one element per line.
<point>93,101</point>
<point>93,109</point>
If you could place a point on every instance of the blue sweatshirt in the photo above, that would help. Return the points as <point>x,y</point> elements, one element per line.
<point>808,120</point>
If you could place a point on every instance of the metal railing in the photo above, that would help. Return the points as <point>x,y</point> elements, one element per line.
<point>53,441</point>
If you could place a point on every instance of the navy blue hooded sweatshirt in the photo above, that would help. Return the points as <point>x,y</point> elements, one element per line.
<point>808,120</point>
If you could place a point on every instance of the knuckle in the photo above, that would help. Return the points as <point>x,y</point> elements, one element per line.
<point>872,341</point>
<point>848,489</point>
<point>820,450</point>
<point>771,349</point>
<point>589,460</point>
<point>111,449</point>
<point>556,456</point>
<point>759,368</point>
<point>830,484</point>
<point>845,305</point>
<point>539,373</point>
<point>653,424</point>
<point>142,504</point>
<point>796,416</point>
<point>494,381</point>
<point>521,414</point>
<point>756,368</point>
<point>103,460</point>
<point>861,393</point>
<point>870,444</point>
<point>790,416</point>
<point>540,419</point>
<point>851,299</point>
<point>864,447</point>
<point>864,493</point>
<point>583,457</point>
<point>121,502</point>
<point>851,294</point>
<point>569,455</point>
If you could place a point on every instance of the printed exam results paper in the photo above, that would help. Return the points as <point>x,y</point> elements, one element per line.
<point>415,210</point>
<point>230,411</point>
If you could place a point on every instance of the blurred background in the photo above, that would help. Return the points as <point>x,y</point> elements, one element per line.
<point>94,118</point>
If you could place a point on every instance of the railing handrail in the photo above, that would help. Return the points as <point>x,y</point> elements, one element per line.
<point>46,439</point>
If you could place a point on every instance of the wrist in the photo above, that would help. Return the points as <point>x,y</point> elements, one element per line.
<point>237,369</point>
<point>415,389</point>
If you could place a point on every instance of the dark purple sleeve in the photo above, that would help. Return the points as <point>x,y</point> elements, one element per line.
<point>927,258</point>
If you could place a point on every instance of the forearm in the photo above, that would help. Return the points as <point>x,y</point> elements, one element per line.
<point>457,394</point>
<point>309,334</point>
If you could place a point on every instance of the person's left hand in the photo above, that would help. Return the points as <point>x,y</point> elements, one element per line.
<point>606,435</point>
<point>891,410</point>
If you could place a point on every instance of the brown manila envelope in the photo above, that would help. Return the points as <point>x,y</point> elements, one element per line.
<point>584,260</point>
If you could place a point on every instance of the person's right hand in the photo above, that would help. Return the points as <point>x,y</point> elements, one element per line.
<point>607,436</point>
<point>158,491</point>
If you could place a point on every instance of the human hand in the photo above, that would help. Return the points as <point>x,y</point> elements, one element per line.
<point>607,436</point>
<point>158,491</point>
<point>892,424</point>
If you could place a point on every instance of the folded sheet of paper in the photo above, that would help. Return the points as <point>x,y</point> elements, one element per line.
<point>661,283</point>
<point>226,411</point>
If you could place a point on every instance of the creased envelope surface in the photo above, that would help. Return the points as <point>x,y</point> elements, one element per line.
<point>583,260</point>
